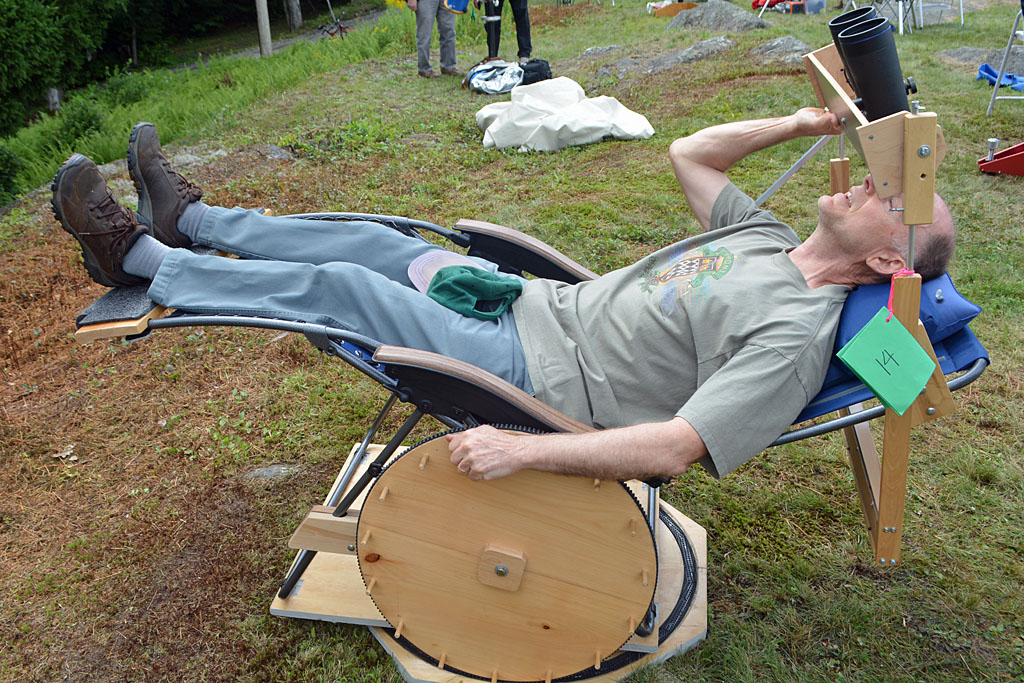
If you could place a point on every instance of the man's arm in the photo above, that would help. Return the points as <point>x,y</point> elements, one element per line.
<point>638,452</point>
<point>701,160</point>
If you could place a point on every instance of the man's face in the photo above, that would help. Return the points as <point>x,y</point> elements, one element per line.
<point>860,217</point>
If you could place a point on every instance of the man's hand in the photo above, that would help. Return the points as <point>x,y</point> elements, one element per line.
<point>812,121</point>
<point>700,160</point>
<point>638,452</point>
<point>411,4</point>
<point>486,453</point>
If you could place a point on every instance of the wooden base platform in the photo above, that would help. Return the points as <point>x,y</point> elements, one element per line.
<point>332,589</point>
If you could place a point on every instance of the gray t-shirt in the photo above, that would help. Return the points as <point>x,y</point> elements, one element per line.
<point>720,329</point>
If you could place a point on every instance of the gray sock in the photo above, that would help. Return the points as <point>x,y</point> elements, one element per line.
<point>190,220</point>
<point>145,257</point>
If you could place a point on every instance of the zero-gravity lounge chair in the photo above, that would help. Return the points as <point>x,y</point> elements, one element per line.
<point>535,576</point>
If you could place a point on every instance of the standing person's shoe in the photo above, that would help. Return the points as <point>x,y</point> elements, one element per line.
<point>429,73</point>
<point>163,192</point>
<point>451,72</point>
<point>86,208</point>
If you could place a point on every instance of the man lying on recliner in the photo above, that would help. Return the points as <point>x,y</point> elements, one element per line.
<point>705,350</point>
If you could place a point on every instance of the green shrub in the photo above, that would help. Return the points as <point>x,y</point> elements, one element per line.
<point>124,87</point>
<point>78,117</point>
<point>10,165</point>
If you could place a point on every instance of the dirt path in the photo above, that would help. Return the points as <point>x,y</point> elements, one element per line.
<point>314,35</point>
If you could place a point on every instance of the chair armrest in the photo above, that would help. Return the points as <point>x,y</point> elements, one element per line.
<point>437,379</point>
<point>517,251</point>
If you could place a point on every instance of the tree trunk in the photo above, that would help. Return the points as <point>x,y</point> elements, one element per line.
<point>263,26</point>
<point>293,12</point>
<point>135,46</point>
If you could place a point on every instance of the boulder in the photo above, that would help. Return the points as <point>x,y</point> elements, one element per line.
<point>597,51</point>
<point>620,68</point>
<point>718,15</point>
<point>975,56</point>
<point>786,50</point>
<point>697,51</point>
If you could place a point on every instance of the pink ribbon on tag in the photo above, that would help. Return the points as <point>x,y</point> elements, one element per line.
<point>892,289</point>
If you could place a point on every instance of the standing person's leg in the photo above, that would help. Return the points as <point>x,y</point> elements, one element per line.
<point>521,14</point>
<point>426,11</point>
<point>492,26</point>
<point>446,33</point>
<point>341,295</point>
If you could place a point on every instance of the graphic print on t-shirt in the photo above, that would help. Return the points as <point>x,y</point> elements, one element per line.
<point>686,275</point>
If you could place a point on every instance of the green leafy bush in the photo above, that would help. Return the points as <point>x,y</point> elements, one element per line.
<point>78,117</point>
<point>10,165</point>
<point>124,87</point>
<point>29,52</point>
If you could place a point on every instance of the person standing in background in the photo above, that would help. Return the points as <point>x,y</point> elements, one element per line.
<point>426,12</point>
<point>492,26</point>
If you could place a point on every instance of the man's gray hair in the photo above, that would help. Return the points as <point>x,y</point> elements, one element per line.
<point>933,253</point>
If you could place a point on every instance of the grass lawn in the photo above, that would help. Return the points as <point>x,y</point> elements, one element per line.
<point>146,552</point>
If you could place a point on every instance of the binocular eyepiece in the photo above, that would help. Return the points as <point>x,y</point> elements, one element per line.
<point>866,45</point>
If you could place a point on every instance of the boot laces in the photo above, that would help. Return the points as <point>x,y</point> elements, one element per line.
<point>122,221</point>
<point>184,187</point>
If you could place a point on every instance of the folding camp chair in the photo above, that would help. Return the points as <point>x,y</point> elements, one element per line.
<point>1014,35</point>
<point>334,579</point>
<point>543,577</point>
<point>906,13</point>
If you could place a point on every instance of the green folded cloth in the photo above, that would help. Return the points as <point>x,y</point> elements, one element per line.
<point>474,292</point>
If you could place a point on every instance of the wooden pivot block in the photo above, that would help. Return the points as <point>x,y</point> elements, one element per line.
<point>323,532</point>
<point>501,568</point>
<point>919,161</point>
<point>839,175</point>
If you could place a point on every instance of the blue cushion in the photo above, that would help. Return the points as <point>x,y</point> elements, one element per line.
<point>956,352</point>
<point>944,312</point>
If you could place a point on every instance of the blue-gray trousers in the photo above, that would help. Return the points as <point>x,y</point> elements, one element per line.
<point>427,11</point>
<point>349,275</point>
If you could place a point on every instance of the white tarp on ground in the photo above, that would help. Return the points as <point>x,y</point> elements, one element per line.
<point>556,113</point>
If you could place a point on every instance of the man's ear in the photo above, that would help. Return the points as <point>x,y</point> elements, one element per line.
<point>886,262</point>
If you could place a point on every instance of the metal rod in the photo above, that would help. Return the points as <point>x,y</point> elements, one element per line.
<point>910,247</point>
<point>306,556</point>
<point>653,507</point>
<point>972,373</point>
<point>357,457</point>
<point>766,195</point>
<point>341,509</point>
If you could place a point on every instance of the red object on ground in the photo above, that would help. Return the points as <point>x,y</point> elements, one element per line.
<point>1009,161</point>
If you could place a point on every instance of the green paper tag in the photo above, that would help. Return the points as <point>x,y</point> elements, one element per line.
<point>889,360</point>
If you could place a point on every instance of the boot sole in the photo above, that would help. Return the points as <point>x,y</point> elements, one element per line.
<point>88,257</point>
<point>145,211</point>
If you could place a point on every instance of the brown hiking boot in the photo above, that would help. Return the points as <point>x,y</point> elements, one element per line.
<point>163,192</point>
<point>86,208</point>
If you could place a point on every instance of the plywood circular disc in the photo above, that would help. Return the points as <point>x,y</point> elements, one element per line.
<point>523,578</point>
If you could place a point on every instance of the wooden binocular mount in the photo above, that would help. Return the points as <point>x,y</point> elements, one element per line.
<point>902,151</point>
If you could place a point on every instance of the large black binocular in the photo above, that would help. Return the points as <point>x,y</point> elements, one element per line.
<point>866,45</point>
